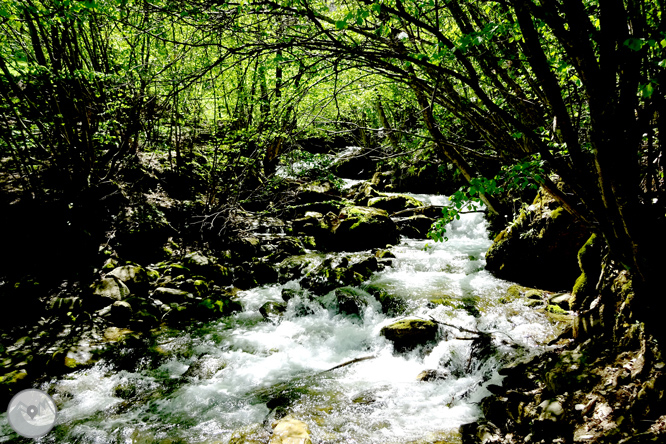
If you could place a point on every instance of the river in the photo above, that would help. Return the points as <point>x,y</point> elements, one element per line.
<point>237,375</point>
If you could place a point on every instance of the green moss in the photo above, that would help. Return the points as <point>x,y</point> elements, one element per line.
<point>556,309</point>
<point>557,212</point>
<point>587,258</point>
<point>580,285</point>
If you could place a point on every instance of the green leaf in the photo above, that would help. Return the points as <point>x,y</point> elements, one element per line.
<point>341,24</point>
<point>634,44</point>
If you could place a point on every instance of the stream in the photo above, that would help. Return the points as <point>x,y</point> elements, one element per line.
<point>230,379</point>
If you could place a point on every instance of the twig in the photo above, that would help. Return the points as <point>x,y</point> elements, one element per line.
<point>353,361</point>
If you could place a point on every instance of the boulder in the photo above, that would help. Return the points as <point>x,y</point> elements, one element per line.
<point>328,276</point>
<point>271,311</point>
<point>410,333</point>
<point>289,430</point>
<point>108,290</point>
<point>169,295</point>
<point>392,305</point>
<point>362,228</point>
<point>363,192</point>
<point>415,227</point>
<point>539,248</point>
<point>394,203</point>
<point>313,224</point>
<point>350,301</point>
<point>134,276</point>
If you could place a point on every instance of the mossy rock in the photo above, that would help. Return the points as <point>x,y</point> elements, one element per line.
<point>108,290</point>
<point>395,203</point>
<point>539,247</point>
<point>131,275</point>
<point>273,310</point>
<point>415,227</point>
<point>363,228</point>
<point>392,305</point>
<point>350,301</point>
<point>169,295</point>
<point>410,333</point>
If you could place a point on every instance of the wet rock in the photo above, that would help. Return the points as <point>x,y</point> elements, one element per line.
<point>433,375</point>
<point>561,300</point>
<point>384,254</point>
<point>350,301</point>
<point>366,267</point>
<point>134,276</point>
<point>115,334</point>
<point>107,291</point>
<point>293,267</point>
<point>289,293</point>
<point>205,367</point>
<point>392,305</point>
<point>170,295</point>
<point>327,276</point>
<point>363,193</point>
<point>410,333</point>
<point>286,247</point>
<point>252,434</point>
<point>394,203</point>
<point>355,166</point>
<point>289,430</point>
<point>271,311</point>
<point>415,227</point>
<point>66,304</point>
<point>362,228</point>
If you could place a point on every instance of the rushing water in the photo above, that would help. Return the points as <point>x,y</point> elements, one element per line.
<point>240,373</point>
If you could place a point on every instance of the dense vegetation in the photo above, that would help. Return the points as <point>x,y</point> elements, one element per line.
<point>509,92</point>
<point>128,124</point>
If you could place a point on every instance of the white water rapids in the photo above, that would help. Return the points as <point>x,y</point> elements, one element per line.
<point>245,363</point>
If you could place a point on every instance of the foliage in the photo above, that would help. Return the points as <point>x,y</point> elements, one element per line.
<point>522,175</point>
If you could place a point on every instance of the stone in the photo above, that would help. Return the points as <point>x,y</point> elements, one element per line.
<point>410,333</point>
<point>415,227</point>
<point>108,290</point>
<point>131,274</point>
<point>169,295</point>
<point>539,247</point>
<point>561,300</point>
<point>121,312</point>
<point>196,260</point>
<point>392,305</point>
<point>362,228</point>
<point>433,375</point>
<point>289,430</point>
<point>394,203</point>
<point>205,367</point>
<point>115,334</point>
<point>273,310</point>
<point>252,434</point>
<point>350,301</point>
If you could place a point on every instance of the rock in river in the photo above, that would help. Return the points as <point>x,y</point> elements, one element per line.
<point>410,333</point>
